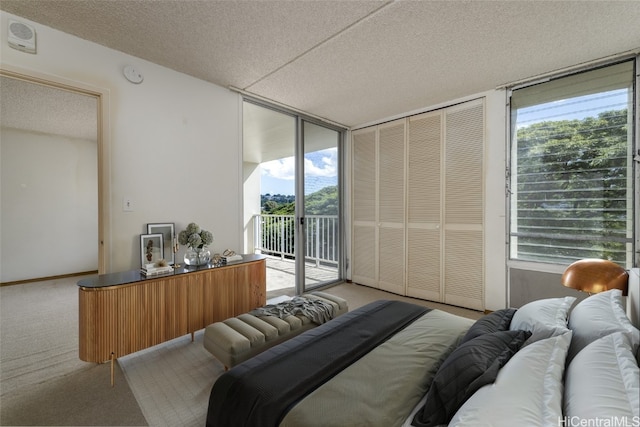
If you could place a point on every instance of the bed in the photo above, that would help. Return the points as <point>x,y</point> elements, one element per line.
<point>391,363</point>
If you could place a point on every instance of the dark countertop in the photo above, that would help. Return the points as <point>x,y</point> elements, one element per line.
<point>133,276</point>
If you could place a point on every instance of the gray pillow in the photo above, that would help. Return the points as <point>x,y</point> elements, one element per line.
<point>544,318</point>
<point>499,320</point>
<point>470,366</point>
<point>527,391</point>
<point>603,381</point>
<point>597,316</point>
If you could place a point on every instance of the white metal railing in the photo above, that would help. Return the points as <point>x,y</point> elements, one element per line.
<point>275,235</point>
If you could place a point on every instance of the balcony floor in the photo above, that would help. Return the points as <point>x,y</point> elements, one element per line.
<point>281,276</point>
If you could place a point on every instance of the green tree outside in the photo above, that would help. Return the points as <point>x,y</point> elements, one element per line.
<point>572,189</point>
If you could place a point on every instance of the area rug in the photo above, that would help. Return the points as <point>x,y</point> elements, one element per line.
<point>172,381</point>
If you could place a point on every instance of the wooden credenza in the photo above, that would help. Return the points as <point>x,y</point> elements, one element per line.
<point>122,313</point>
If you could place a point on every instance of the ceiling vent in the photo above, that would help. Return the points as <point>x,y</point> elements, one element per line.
<point>22,36</point>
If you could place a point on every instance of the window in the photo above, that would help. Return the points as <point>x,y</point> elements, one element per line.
<point>571,173</point>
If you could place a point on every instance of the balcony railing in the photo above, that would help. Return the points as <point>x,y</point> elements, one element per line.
<point>274,235</point>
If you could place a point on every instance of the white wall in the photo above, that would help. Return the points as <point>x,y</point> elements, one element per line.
<point>49,205</point>
<point>251,192</point>
<point>174,141</point>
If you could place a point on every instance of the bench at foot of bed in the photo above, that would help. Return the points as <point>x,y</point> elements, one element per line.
<point>237,339</point>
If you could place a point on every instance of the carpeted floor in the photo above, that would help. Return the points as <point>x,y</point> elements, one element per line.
<point>42,379</point>
<point>43,382</point>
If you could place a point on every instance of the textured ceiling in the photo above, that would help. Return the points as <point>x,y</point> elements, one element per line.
<point>351,62</point>
<point>45,109</point>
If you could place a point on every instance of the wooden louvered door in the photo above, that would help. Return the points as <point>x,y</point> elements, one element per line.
<point>379,206</point>
<point>464,205</point>
<point>364,227</point>
<point>418,206</point>
<point>391,206</point>
<point>424,256</point>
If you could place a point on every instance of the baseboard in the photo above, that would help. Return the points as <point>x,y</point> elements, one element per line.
<point>40,279</point>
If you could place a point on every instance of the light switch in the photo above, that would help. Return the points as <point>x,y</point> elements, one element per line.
<point>127,204</point>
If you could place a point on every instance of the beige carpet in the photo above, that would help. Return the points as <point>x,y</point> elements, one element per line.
<point>42,379</point>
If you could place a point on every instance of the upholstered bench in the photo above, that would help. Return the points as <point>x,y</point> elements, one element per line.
<point>237,339</point>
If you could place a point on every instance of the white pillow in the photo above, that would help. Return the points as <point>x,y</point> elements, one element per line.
<point>527,392</point>
<point>544,318</point>
<point>597,316</point>
<point>603,381</point>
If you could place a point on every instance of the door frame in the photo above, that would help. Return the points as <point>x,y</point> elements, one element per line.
<point>103,147</point>
<point>300,207</point>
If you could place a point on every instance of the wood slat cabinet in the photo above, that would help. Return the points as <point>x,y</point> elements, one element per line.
<point>121,319</point>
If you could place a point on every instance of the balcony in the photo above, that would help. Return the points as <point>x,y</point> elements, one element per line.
<point>275,238</point>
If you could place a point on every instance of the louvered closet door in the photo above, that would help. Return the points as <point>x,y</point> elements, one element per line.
<point>464,206</point>
<point>424,143</point>
<point>364,254</point>
<point>391,206</point>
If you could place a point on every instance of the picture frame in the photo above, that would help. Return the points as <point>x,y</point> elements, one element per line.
<point>168,231</point>
<point>151,248</point>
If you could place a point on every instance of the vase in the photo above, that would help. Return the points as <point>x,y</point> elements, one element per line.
<point>197,256</point>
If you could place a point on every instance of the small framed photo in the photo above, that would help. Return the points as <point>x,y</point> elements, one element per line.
<point>168,234</point>
<point>151,248</point>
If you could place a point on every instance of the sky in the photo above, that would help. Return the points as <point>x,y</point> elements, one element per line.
<point>321,170</point>
<point>574,108</point>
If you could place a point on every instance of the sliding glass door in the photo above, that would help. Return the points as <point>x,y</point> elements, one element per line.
<point>292,197</point>
<point>319,212</point>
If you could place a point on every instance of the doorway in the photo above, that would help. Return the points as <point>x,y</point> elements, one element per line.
<point>292,197</point>
<point>52,178</point>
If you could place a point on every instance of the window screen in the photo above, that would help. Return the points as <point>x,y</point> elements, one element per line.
<point>571,174</point>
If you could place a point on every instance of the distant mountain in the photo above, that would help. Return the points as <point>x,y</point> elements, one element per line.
<point>321,202</point>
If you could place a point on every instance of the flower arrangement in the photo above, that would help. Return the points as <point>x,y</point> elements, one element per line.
<point>195,237</point>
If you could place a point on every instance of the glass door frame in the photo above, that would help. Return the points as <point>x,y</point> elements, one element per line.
<point>299,235</point>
